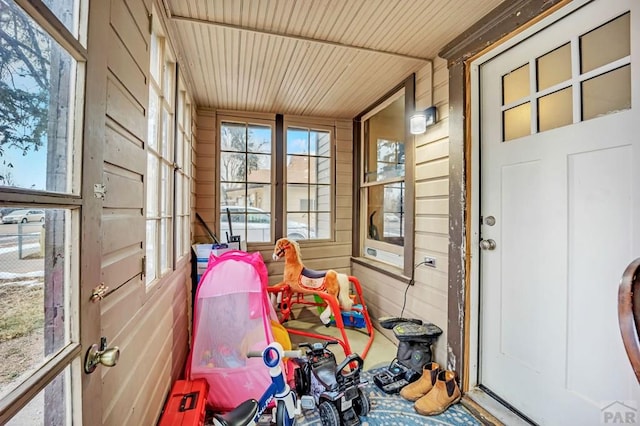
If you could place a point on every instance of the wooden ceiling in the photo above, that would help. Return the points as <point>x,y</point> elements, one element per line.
<point>325,58</point>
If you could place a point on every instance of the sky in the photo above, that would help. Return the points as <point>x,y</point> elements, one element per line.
<point>28,171</point>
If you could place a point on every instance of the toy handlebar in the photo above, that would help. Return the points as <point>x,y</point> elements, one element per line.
<point>285,354</point>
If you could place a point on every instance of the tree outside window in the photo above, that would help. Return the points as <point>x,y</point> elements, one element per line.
<point>309,175</point>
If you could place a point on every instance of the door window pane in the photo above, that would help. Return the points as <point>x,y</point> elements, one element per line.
<point>605,44</point>
<point>35,284</point>
<point>607,93</point>
<point>50,406</point>
<point>554,67</point>
<point>555,110</point>
<point>37,105</point>
<point>67,12</point>
<point>515,85</point>
<point>517,122</point>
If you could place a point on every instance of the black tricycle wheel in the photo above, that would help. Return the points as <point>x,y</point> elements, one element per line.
<point>362,404</point>
<point>329,415</point>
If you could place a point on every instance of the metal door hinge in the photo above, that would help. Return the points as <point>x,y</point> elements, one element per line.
<point>99,190</point>
<point>144,266</point>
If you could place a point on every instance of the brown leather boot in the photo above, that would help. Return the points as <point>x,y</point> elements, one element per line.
<point>444,393</point>
<point>420,387</point>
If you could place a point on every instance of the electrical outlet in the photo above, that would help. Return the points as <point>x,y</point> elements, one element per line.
<point>430,261</point>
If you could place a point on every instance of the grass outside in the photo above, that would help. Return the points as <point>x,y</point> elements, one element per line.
<point>21,328</point>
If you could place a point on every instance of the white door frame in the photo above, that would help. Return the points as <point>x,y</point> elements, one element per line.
<point>474,234</point>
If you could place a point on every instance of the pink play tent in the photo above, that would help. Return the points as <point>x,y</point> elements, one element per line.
<point>232,316</point>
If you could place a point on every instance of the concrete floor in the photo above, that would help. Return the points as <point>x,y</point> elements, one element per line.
<point>382,350</point>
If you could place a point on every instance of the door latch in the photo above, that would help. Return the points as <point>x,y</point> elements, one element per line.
<point>98,293</point>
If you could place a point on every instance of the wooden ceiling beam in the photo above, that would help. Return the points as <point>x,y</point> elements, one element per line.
<point>297,37</point>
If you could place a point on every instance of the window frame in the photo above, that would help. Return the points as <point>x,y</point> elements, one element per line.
<point>360,219</point>
<point>162,81</point>
<point>278,124</point>
<point>183,126</point>
<point>275,215</point>
<point>66,360</point>
<point>309,126</point>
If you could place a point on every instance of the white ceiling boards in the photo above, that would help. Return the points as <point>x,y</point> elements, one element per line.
<point>319,58</point>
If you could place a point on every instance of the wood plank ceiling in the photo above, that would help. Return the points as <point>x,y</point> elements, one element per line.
<point>325,58</point>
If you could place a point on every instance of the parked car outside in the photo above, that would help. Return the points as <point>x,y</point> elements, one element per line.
<point>6,210</point>
<point>258,223</point>
<point>24,216</point>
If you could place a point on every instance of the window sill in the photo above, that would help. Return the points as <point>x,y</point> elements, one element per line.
<point>383,268</point>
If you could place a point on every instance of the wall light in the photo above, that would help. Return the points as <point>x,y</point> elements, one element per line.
<point>419,121</point>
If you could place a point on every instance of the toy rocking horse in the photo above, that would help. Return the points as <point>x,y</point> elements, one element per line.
<point>303,280</point>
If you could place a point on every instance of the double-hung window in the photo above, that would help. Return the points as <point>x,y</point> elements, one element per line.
<point>383,195</point>
<point>160,156</point>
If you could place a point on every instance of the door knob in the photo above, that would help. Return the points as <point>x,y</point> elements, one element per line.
<point>100,355</point>
<point>487,244</point>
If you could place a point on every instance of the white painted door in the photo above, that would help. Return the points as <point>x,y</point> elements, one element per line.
<point>560,175</point>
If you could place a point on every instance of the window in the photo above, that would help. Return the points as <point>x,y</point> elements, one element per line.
<point>42,63</point>
<point>383,183</point>
<point>160,155</point>
<point>308,173</point>
<point>183,172</point>
<point>245,180</point>
<point>539,96</point>
<point>248,166</point>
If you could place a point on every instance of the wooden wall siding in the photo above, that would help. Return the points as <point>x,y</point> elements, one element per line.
<point>153,347</point>
<point>382,293</point>
<point>150,326</point>
<point>427,299</point>
<point>329,59</point>
<point>316,255</point>
<point>205,176</point>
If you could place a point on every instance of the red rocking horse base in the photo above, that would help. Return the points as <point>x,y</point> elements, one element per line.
<point>290,298</point>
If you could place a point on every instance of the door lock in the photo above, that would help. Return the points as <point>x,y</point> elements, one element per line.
<point>488,244</point>
<point>100,355</point>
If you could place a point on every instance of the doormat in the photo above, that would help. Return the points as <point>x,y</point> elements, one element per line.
<point>393,410</point>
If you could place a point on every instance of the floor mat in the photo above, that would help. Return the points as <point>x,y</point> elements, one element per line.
<point>393,410</point>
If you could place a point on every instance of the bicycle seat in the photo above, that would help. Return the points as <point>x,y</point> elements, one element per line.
<point>242,415</point>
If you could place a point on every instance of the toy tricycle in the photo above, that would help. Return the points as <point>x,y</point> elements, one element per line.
<point>334,389</point>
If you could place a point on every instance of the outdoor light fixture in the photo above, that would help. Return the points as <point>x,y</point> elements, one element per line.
<point>419,121</point>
